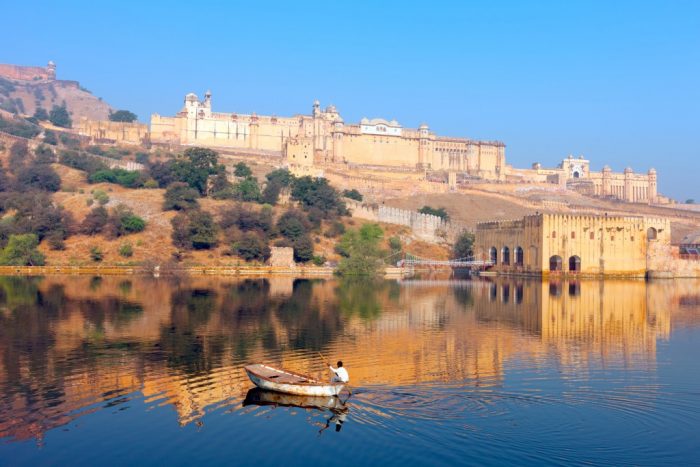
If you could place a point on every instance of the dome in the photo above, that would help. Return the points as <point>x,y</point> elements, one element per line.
<point>51,63</point>
<point>316,103</point>
<point>208,93</point>
<point>606,168</point>
<point>652,170</point>
<point>423,126</point>
<point>364,121</point>
<point>331,109</point>
<point>629,170</point>
<point>191,97</point>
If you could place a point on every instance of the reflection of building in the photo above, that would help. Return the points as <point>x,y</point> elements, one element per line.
<point>323,137</point>
<point>607,321</point>
<point>183,344</point>
<point>556,243</point>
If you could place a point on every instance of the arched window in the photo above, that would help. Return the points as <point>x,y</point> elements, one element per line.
<point>574,264</point>
<point>555,263</point>
<point>519,256</point>
<point>493,255</point>
<point>651,233</point>
<point>505,255</point>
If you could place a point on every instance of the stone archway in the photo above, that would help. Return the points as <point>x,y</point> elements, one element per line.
<point>519,256</point>
<point>651,233</point>
<point>574,264</point>
<point>505,255</point>
<point>555,263</point>
<point>493,255</point>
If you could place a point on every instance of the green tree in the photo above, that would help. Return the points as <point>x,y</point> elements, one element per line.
<point>123,221</point>
<point>122,116</point>
<point>221,187</point>
<point>44,155</point>
<point>202,230</point>
<point>690,201</point>
<point>316,192</point>
<point>41,114</point>
<point>195,167</point>
<point>59,116</point>
<point>271,193</point>
<point>463,247</point>
<point>303,249</point>
<point>179,197</point>
<point>247,190</point>
<point>362,252</point>
<point>293,224</point>
<point>252,247</point>
<point>21,251</point>
<point>242,170</point>
<point>283,177</point>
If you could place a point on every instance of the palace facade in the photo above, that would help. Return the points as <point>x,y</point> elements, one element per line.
<point>544,244</point>
<point>324,138</point>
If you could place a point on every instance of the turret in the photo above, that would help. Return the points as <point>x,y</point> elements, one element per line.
<point>652,193</point>
<point>51,69</point>
<point>629,197</point>
<point>605,189</point>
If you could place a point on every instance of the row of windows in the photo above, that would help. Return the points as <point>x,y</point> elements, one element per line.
<point>651,234</point>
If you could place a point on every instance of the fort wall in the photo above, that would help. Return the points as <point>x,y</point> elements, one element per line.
<point>424,226</point>
<point>102,131</point>
<point>28,73</point>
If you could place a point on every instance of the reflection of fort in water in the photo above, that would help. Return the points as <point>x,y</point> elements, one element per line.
<point>68,343</point>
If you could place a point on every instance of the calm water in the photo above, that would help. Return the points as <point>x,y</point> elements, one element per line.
<point>139,370</point>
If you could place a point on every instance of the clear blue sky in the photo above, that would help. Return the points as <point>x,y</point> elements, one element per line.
<point>615,81</point>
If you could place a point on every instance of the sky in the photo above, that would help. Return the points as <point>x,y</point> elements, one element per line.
<point>615,81</point>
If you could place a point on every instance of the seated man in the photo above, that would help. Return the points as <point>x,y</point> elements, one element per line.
<point>340,374</point>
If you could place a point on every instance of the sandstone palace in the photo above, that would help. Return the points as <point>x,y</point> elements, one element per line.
<point>323,137</point>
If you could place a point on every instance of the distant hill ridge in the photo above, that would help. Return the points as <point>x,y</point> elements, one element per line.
<point>24,89</point>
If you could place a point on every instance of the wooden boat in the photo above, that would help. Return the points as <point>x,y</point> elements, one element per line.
<point>262,397</point>
<point>288,382</point>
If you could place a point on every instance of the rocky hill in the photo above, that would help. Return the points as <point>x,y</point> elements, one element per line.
<point>25,89</point>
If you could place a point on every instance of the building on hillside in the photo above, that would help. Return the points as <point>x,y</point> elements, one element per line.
<point>544,244</point>
<point>108,132</point>
<point>324,138</point>
<point>576,174</point>
<point>28,73</point>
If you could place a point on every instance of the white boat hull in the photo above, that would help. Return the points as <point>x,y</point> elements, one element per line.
<point>331,389</point>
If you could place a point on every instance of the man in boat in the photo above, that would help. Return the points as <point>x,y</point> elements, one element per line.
<point>340,374</point>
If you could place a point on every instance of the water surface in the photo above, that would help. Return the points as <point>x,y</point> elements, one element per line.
<point>139,370</point>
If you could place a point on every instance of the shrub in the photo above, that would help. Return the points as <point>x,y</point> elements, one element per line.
<point>90,202</point>
<point>101,197</point>
<point>41,114</point>
<point>126,250</point>
<point>21,251</point>
<point>318,260</point>
<point>271,193</point>
<point>439,212</point>
<point>252,247</point>
<point>96,254</point>
<point>38,177</point>
<point>141,157</point>
<point>44,155</point>
<point>125,178</point>
<point>334,230</point>
<point>179,196</point>
<point>95,221</point>
<point>150,184</point>
<point>50,138</point>
<point>194,230</point>
<point>69,141</point>
<point>19,153</point>
<point>123,221</point>
<point>353,194</point>
<point>82,162</point>
<point>56,241</point>
<point>282,177</point>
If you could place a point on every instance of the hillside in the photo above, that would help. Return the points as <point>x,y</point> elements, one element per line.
<point>26,96</point>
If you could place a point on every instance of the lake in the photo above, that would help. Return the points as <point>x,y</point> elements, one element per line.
<point>138,370</point>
